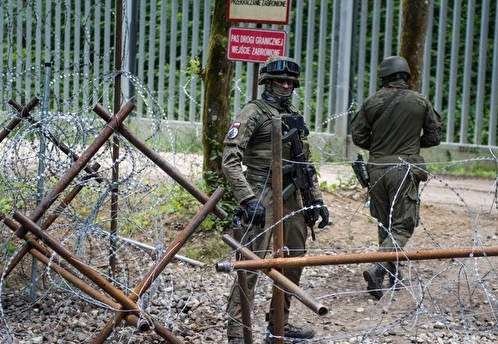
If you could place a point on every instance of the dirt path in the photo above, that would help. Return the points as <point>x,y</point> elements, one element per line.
<point>441,299</point>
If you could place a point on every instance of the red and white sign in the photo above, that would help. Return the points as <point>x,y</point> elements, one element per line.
<point>255,45</point>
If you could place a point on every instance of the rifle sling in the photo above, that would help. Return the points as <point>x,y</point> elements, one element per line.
<point>384,106</point>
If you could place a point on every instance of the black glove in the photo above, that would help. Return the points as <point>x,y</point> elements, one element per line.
<point>237,216</point>
<point>254,213</point>
<point>321,210</point>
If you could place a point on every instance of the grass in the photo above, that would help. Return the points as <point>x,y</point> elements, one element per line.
<point>463,171</point>
<point>206,248</point>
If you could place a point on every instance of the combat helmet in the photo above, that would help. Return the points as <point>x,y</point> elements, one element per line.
<point>280,67</point>
<point>392,65</point>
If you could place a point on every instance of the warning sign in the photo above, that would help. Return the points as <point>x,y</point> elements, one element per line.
<point>259,11</point>
<point>255,45</point>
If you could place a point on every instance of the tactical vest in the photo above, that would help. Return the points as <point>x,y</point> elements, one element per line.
<point>258,153</point>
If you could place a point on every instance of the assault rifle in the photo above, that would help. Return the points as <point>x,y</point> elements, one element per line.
<point>360,170</point>
<point>302,174</point>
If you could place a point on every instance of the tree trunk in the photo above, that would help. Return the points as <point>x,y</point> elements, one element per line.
<point>217,76</point>
<point>413,34</point>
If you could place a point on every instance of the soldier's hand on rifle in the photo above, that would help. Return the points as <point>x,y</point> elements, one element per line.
<point>254,213</point>
<point>321,210</point>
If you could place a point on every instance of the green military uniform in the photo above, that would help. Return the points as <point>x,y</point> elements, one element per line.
<point>393,139</point>
<point>248,143</point>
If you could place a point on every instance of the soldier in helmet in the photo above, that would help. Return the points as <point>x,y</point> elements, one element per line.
<point>393,124</point>
<point>248,144</point>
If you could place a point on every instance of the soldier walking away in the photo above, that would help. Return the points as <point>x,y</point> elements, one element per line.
<point>248,144</point>
<point>393,124</point>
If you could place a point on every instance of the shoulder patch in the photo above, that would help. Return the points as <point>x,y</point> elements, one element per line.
<point>234,130</point>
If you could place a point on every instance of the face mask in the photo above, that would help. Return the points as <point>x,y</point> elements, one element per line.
<point>280,91</point>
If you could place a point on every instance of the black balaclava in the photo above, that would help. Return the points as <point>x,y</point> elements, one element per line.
<point>393,77</point>
<point>276,95</point>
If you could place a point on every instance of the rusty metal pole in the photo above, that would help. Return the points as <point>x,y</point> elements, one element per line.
<point>42,254</point>
<point>85,269</point>
<point>118,61</point>
<point>79,165</point>
<point>174,247</point>
<point>278,230</point>
<point>245,303</point>
<point>164,165</point>
<point>178,243</point>
<point>276,276</point>
<point>62,205</point>
<point>23,111</point>
<point>356,258</point>
<point>131,319</point>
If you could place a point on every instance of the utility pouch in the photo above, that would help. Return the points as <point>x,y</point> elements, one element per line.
<point>418,169</point>
<point>360,170</point>
<point>295,120</point>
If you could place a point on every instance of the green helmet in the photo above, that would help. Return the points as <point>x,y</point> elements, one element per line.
<point>280,67</point>
<point>392,65</point>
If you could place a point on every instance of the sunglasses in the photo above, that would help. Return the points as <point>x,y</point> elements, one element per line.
<point>282,66</point>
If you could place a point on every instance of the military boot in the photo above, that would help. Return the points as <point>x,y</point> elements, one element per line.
<point>375,279</point>
<point>395,280</point>
<point>291,333</point>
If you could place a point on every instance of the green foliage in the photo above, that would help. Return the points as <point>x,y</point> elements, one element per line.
<point>350,235</point>
<point>348,183</point>
<point>228,202</point>
<point>180,201</point>
<point>472,170</point>
<point>213,175</point>
<point>224,42</point>
<point>13,196</point>
<point>211,248</point>
<point>8,249</point>
<point>194,67</point>
<point>216,149</point>
<point>5,205</point>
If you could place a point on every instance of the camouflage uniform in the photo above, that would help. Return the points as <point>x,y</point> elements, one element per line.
<point>248,143</point>
<point>392,138</point>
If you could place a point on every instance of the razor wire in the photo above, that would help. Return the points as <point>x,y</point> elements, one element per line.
<point>143,188</point>
<point>442,295</point>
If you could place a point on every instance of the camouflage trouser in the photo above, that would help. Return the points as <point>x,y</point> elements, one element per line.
<point>395,204</point>
<point>258,241</point>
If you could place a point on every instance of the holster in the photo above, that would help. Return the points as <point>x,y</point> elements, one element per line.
<point>360,170</point>
<point>418,168</point>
